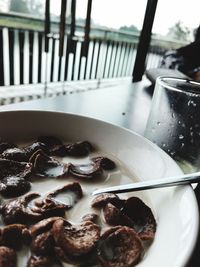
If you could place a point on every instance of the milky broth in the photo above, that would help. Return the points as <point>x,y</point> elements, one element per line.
<point>121,175</point>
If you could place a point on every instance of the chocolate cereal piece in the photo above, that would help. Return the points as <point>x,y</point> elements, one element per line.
<point>18,210</point>
<point>68,194</point>
<point>10,168</point>
<point>121,247</point>
<point>43,226</point>
<point>8,257</point>
<point>49,140</point>
<point>41,261</point>
<point>76,240</point>
<point>142,217</point>
<point>5,145</point>
<point>15,153</point>
<point>54,145</point>
<point>102,199</point>
<point>14,236</point>
<point>86,171</point>
<point>93,217</point>
<point>43,244</point>
<point>79,149</point>
<point>105,163</point>
<point>45,166</point>
<point>22,154</point>
<point>113,216</point>
<point>14,186</point>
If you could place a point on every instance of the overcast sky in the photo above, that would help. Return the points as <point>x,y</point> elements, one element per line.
<point>116,13</point>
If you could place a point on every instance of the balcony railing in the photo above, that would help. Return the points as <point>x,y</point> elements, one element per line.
<point>111,54</point>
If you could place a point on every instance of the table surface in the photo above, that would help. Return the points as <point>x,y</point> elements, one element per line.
<point>127,105</point>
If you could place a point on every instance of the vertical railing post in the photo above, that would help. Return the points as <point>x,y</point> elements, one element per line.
<point>85,44</point>
<point>62,35</point>
<point>46,46</point>
<point>144,40</point>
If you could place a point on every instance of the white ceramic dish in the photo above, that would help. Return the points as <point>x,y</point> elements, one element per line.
<point>175,208</point>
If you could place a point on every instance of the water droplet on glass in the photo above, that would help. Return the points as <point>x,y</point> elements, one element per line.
<point>191,103</point>
<point>158,122</point>
<point>181,136</point>
<point>173,115</point>
<point>172,153</point>
<point>182,145</point>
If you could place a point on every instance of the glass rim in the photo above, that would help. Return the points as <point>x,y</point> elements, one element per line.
<point>163,80</point>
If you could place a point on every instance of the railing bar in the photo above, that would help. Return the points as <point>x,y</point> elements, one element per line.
<point>49,60</point>
<point>21,50</point>
<point>98,54</point>
<point>108,59</point>
<point>92,60</point>
<point>88,61</point>
<point>74,60</point>
<point>111,54</point>
<point>62,26</point>
<point>62,71</point>
<point>30,57</point>
<point>26,52</point>
<point>86,64</point>
<point>114,53</point>
<point>123,60</point>
<point>11,54</point>
<point>117,59</point>
<point>71,48</point>
<point>106,55</point>
<point>1,59</point>
<point>120,58</point>
<point>47,25</point>
<point>39,57</point>
<point>134,51</point>
<point>69,70</point>
<point>66,60</point>
<point>52,61</point>
<point>56,61</point>
<point>144,41</point>
<point>35,56</point>
<point>59,68</point>
<point>114,65</point>
<point>73,18</point>
<point>127,61</point>
<point>77,61</point>
<point>79,64</point>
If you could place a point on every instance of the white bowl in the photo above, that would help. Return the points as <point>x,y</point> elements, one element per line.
<point>175,208</point>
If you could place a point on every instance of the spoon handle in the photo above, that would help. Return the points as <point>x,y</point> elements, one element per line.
<point>151,184</point>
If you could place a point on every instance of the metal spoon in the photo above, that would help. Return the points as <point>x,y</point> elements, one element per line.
<point>151,184</point>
